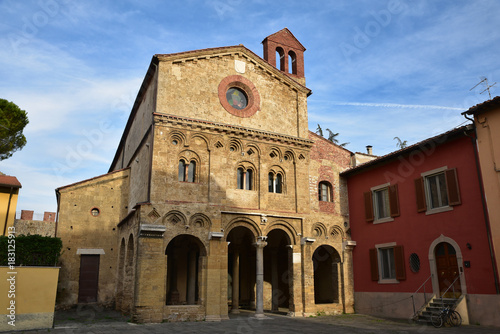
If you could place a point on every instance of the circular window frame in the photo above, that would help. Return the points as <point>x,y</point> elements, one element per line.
<point>414,261</point>
<point>253,96</point>
<point>98,212</point>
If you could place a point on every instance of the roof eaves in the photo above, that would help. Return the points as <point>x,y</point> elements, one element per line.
<point>440,139</point>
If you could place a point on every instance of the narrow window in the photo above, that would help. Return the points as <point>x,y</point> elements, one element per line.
<point>292,63</point>
<point>191,171</point>
<point>248,177</point>
<point>436,188</point>
<point>279,182</point>
<point>182,170</point>
<point>271,182</point>
<point>381,203</point>
<point>280,59</point>
<point>325,192</point>
<point>240,178</point>
<point>387,266</point>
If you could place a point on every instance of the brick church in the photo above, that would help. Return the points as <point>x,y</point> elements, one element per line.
<point>218,198</point>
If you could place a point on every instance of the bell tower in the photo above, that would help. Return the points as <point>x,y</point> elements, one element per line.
<point>285,52</point>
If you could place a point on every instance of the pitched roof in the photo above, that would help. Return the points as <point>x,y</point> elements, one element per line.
<point>90,179</point>
<point>285,31</point>
<point>485,106</point>
<point>9,181</point>
<point>439,139</point>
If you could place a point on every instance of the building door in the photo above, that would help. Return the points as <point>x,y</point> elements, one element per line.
<point>89,278</point>
<point>447,270</point>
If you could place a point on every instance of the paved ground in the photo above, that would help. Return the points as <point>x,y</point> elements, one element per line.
<point>95,320</point>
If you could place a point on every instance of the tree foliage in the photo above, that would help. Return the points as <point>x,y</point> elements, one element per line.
<point>331,136</point>
<point>12,122</point>
<point>401,144</point>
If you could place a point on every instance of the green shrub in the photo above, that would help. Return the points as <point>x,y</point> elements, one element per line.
<point>31,250</point>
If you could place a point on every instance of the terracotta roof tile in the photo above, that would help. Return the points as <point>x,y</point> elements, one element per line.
<point>9,181</point>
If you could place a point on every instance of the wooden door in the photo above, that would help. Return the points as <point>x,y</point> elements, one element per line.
<point>447,270</point>
<point>89,278</point>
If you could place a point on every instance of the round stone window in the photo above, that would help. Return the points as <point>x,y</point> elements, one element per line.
<point>236,98</point>
<point>239,96</point>
<point>95,212</point>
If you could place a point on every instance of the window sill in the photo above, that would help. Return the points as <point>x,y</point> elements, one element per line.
<point>388,281</point>
<point>439,210</point>
<point>383,220</point>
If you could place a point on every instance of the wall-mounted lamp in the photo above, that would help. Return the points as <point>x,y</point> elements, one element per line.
<point>468,246</point>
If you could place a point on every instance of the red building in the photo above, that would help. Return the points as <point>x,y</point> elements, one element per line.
<point>419,218</point>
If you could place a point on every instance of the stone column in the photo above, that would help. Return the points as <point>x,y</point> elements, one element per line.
<point>191,293</point>
<point>236,282</point>
<point>274,280</point>
<point>259,305</point>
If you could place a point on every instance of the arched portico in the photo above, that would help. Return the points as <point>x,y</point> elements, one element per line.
<point>327,275</point>
<point>278,277</point>
<point>185,254</point>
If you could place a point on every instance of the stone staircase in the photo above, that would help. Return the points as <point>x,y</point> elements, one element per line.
<point>434,306</point>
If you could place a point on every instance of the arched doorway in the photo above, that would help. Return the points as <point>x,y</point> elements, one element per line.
<point>326,261</point>
<point>241,268</point>
<point>277,276</point>
<point>447,270</point>
<point>184,254</point>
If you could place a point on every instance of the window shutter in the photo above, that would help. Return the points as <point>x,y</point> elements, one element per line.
<point>420,193</point>
<point>452,186</point>
<point>394,200</point>
<point>368,206</point>
<point>399,261</point>
<point>374,264</point>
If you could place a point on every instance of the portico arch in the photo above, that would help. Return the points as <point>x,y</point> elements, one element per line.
<point>278,276</point>
<point>327,275</point>
<point>184,270</point>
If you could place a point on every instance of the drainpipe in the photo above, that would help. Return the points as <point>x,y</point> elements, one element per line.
<point>8,209</point>
<point>483,201</point>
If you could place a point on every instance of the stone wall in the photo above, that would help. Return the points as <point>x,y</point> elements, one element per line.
<point>82,228</point>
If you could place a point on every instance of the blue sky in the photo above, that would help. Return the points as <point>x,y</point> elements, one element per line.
<point>377,69</point>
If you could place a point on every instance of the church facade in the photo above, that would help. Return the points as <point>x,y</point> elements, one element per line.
<point>218,198</point>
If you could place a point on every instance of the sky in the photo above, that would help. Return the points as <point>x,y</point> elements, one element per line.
<point>377,69</point>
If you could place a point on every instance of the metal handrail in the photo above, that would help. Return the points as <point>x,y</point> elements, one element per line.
<point>451,285</point>
<point>425,296</point>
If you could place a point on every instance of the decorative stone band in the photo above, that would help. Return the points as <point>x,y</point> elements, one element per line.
<point>151,231</point>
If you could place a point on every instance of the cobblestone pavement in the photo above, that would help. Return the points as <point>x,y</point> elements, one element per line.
<point>100,321</point>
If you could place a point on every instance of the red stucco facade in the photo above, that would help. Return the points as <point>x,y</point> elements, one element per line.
<point>462,225</point>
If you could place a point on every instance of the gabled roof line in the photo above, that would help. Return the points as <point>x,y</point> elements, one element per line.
<point>91,179</point>
<point>440,138</point>
<point>330,142</point>
<point>287,31</point>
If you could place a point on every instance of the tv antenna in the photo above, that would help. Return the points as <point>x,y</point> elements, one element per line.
<point>484,81</point>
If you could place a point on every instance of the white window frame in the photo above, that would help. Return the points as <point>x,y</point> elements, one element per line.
<point>426,175</point>
<point>380,247</point>
<point>377,220</point>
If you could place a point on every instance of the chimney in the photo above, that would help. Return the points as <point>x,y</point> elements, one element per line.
<point>369,149</point>
<point>49,216</point>
<point>26,214</point>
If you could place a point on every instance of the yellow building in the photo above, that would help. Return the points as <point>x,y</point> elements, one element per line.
<point>487,123</point>
<point>9,191</point>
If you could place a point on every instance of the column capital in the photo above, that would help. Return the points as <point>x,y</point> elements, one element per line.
<point>261,241</point>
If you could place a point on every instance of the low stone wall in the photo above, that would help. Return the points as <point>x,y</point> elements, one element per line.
<point>483,310</point>
<point>183,313</point>
<point>387,304</point>
<point>32,227</point>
